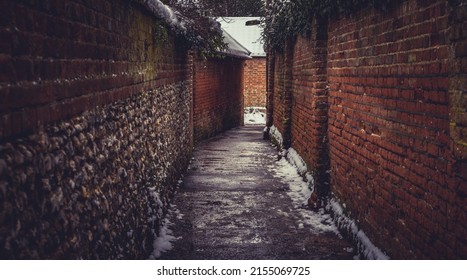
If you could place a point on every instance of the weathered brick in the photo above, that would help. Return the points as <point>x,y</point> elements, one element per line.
<point>254,89</point>
<point>218,96</point>
<point>395,108</point>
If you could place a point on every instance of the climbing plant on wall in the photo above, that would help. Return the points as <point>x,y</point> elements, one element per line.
<point>287,18</point>
<point>199,31</point>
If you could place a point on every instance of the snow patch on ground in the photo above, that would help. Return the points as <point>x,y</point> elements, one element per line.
<point>299,191</point>
<point>365,246</point>
<point>296,160</point>
<point>163,242</point>
<point>276,136</point>
<point>255,115</point>
<point>164,238</point>
<point>292,169</point>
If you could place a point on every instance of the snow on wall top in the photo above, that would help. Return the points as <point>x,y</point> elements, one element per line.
<point>164,12</point>
<point>179,24</point>
<point>248,36</point>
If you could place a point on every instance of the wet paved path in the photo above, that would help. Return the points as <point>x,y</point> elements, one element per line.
<point>231,205</point>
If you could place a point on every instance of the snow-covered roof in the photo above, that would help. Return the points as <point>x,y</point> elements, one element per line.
<point>179,24</point>
<point>249,36</point>
<point>234,48</point>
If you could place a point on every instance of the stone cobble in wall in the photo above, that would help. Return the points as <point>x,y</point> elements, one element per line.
<point>95,186</point>
<point>61,58</point>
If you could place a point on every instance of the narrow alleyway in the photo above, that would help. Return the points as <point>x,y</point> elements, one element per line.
<point>236,202</point>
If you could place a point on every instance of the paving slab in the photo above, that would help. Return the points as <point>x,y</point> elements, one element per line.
<point>232,205</point>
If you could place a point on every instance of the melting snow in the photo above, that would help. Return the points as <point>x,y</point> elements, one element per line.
<point>165,12</point>
<point>296,160</point>
<point>255,115</point>
<point>293,170</point>
<point>299,192</point>
<point>163,242</point>
<point>276,136</point>
<point>365,246</point>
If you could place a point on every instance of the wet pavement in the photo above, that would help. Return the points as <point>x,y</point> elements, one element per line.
<point>231,205</point>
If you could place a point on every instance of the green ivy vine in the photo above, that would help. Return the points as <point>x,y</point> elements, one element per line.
<point>288,18</point>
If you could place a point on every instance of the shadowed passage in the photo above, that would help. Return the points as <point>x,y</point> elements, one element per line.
<point>238,201</point>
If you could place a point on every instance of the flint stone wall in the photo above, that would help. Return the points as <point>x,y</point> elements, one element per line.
<point>95,127</point>
<point>95,186</point>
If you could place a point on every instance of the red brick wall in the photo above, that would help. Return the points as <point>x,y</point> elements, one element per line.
<point>218,96</point>
<point>270,82</point>
<point>396,124</point>
<point>458,83</point>
<point>280,95</point>
<point>61,59</point>
<point>254,90</point>
<point>389,129</point>
<point>310,103</point>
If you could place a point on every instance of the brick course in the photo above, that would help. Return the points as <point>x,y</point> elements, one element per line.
<point>254,90</point>
<point>218,96</point>
<point>64,58</point>
<point>310,104</point>
<point>280,93</point>
<point>390,89</point>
